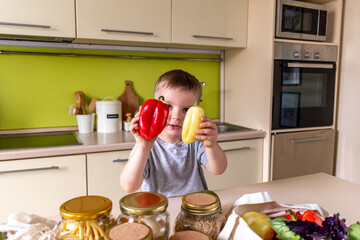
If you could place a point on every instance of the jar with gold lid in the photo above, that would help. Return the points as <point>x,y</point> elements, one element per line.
<point>148,208</point>
<point>200,212</point>
<point>85,217</point>
<point>129,231</point>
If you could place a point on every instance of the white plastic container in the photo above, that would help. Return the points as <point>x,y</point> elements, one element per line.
<point>108,115</point>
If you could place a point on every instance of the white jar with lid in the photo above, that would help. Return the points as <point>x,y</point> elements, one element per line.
<point>108,115</point>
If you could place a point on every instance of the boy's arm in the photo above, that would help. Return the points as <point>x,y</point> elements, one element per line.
<point>216,159</point>
<point>132,175</point>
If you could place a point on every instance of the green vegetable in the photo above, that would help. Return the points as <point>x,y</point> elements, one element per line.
<point>354,231</point>
<point>282,230</point>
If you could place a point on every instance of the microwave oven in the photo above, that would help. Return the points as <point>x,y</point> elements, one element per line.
<point>301,20</point>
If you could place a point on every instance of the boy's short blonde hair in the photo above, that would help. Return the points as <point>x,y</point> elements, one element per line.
<point>179,79</point>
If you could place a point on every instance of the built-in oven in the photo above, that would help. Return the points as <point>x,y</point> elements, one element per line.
<point>303,85</point>
<point>303,134</point>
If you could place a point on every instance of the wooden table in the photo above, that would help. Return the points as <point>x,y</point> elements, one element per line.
<point>333,194</point>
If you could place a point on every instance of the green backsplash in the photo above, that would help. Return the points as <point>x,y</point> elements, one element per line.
<point>35,90</point>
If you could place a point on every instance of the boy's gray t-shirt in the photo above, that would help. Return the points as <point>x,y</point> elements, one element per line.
<point>174,169</point>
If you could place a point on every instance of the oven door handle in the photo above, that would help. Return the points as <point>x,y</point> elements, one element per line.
<point>310,65</point>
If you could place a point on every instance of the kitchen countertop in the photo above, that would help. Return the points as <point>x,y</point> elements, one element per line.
<point>333,194</point>
<point>103,142</point>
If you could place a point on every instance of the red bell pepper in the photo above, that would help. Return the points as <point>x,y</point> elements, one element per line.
<point>291,215</point>
<point>153,118</point>
<point>311,217</point>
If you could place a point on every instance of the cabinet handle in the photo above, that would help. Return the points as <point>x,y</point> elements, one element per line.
<point>119,160</point>
<point>123,31</point>
<point>236,149</point>
<point>307,140</point>
<point>30,169</point>
<point>24,25</point>
<point>212,37</point>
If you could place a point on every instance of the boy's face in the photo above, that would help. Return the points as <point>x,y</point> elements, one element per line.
<point>179,101</point>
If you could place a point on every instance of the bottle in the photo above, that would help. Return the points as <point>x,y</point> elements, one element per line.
<point>85,217</point>
<point>200,212</point>
<point>148,208</point>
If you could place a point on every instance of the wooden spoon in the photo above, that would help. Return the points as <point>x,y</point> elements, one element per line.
<point>80,101</point>
<point>92,105</point>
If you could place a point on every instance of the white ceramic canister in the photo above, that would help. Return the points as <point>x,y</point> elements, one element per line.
<point>108,115</point>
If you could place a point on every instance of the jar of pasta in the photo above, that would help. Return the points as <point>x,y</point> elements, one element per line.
<point>129,231</point>
<point>148,208</point>
<point>85,217</point>
<point>200,212</point>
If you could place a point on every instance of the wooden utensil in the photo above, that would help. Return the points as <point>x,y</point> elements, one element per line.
<point>80,101</point>
<point>92,105</point>
<point>129,100</point>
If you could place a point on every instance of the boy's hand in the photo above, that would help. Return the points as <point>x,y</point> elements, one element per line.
<point>134,129</point>
<point>208,133</point>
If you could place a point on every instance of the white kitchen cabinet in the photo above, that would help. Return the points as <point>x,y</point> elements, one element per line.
<point>40,185</point>
<point>124,20</point>
<point>104,174</point>
<point>37,18</point>
<point>210,22</point>
<point>244,165</point>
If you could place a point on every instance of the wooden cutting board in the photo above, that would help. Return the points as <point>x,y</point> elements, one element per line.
<point>129,100</point>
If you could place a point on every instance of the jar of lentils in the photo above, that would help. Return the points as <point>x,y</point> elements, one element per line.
<point>85,217</point>
<point>148,208</point>
<point>200,212</point>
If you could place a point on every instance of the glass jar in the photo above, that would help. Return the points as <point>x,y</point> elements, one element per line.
<point>200,212</point>
<point>129,231</point>
<point>148,208</point>
<point>85,217</point>
<point>190,234</point>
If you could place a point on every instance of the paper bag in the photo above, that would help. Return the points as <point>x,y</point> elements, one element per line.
<point>236,228</point>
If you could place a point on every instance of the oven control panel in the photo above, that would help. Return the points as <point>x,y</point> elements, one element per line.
<point>305,52</point>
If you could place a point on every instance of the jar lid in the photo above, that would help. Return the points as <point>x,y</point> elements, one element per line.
<point>200,203</point>
<point>85,208</point>
<point>129,231</point>
<point>190,234</point>
<point>143,203</point>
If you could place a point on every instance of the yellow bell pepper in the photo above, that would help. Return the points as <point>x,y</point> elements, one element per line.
<point>192,123</point>
<point>258,222</point>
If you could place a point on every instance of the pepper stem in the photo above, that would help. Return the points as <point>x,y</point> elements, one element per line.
<point>161,98</point>
<point>197,102</point>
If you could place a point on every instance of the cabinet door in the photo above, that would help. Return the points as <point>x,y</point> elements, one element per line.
<point>125,20</point>
<point>244,165</point>
<point>301,153</point>
<point>104,174</point>
<point>40,185</point>
<point>42,18</point>
<point>210,22</point>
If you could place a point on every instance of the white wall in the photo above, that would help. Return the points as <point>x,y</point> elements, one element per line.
<point>348,151</point>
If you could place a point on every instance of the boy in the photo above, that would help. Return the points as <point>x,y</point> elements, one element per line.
<point>165,164</point>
